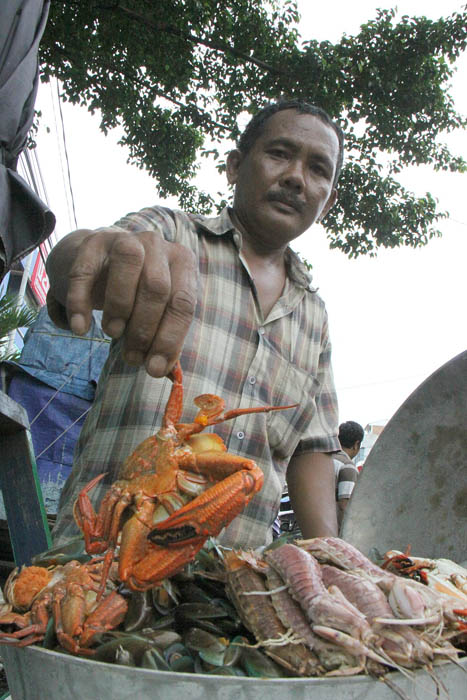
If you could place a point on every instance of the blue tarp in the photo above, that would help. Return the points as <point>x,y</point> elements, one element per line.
<point>57,372</point>
<point>54,465</point>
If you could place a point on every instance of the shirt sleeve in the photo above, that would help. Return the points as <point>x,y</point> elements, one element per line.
<point>346,480</point>
<point>154,218</point>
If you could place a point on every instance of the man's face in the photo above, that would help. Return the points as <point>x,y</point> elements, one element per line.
<point>285,182</point>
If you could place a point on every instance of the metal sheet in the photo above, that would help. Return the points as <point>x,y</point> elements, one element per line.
<point>38,673</point>
<point>413,488</point>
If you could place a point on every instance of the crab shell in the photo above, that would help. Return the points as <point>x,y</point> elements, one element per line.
<point>24,585</point>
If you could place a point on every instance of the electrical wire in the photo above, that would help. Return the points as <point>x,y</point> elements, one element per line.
<point>66,155</point>
<point>63,432</point>
<point>68,379</point>
<point>40,176</point>
<point>65,188</point>
<point>456,221</point>
<point>381,381</point>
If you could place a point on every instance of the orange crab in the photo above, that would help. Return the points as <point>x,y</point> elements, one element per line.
<point>67,593</point>
<point>181,488</point>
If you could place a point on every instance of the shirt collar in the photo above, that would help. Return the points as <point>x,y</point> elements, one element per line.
<point>222,224</point>
<point>217,225</point>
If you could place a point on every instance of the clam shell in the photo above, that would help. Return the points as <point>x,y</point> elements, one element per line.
<point>140,612</point>
<point>154,659</point>
<point>258,665</point>
<point>197,639</point>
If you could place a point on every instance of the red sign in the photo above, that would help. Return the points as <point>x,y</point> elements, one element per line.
<point>39,280</point>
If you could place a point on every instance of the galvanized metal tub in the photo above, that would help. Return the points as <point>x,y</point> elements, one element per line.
<point>35,674</point>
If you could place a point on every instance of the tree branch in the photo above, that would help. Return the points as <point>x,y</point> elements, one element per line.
<point>217,46</point>
<point>159,93</point>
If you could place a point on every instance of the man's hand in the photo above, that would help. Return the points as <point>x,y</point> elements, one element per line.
<point>146,286</point>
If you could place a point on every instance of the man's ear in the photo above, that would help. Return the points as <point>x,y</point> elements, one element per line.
<point>234,159</point>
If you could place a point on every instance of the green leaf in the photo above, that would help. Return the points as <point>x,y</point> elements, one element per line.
<point>12,317</point>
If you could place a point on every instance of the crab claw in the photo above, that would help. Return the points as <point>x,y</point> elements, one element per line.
<point>206,515</point>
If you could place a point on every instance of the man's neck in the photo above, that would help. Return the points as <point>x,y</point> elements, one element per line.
<point>257,252</point>
<point>266,265</point>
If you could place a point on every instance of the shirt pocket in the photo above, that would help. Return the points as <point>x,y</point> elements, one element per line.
<point>286,428</point>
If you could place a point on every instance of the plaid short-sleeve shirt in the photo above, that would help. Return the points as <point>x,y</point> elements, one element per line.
<point>231,351</point>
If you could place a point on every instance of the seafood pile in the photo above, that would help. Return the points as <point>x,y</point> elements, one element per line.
<point>442,575</point>
<point>186,624</point>
<point>150,587</point>
<point>313,608</point>
<point>342,613</point>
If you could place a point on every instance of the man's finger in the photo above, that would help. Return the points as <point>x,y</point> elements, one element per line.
<point>151,298</point>
<point>173,327</point>
<point>126,262</point>
<point>84,273</point>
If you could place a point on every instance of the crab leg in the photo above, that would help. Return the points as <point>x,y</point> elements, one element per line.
<point>212,413</point>
<point>173,410</point>
<point>36,625</point>
<point>160,563</point>
<point>70,618</point>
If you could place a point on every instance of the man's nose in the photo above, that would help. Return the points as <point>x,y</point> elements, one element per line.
<point>293,177</point>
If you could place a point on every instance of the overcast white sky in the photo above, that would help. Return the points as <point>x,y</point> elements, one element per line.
<point>394,319</point>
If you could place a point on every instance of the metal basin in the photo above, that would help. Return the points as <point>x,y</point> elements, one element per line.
<point>34,673</point>
<point>413,487</point>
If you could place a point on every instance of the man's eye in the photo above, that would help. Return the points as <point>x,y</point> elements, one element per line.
<point>278,153</point>
<point>318,168</point>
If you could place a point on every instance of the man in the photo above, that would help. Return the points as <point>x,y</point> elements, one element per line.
<point>350,438</point>
<point>229,297</point>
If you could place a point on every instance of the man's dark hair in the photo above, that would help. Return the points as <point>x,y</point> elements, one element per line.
<point>350,433</point>
<point>255,126</point>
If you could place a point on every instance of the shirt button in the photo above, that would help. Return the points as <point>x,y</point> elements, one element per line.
<point>261,331</point>
<point>252,380</point>
<point>240,434</point>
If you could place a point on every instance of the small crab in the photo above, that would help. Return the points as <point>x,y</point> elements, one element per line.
<point>69,595</point>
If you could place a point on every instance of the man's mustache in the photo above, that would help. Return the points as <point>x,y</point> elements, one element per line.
<point>286,198</point>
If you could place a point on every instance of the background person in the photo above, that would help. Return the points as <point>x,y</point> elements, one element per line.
<point>229,297</point>
<point>350,438</point>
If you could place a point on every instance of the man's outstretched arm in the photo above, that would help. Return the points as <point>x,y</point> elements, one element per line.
<point>312,493</point>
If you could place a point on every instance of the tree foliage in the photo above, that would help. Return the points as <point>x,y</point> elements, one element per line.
<point>177,75</point>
